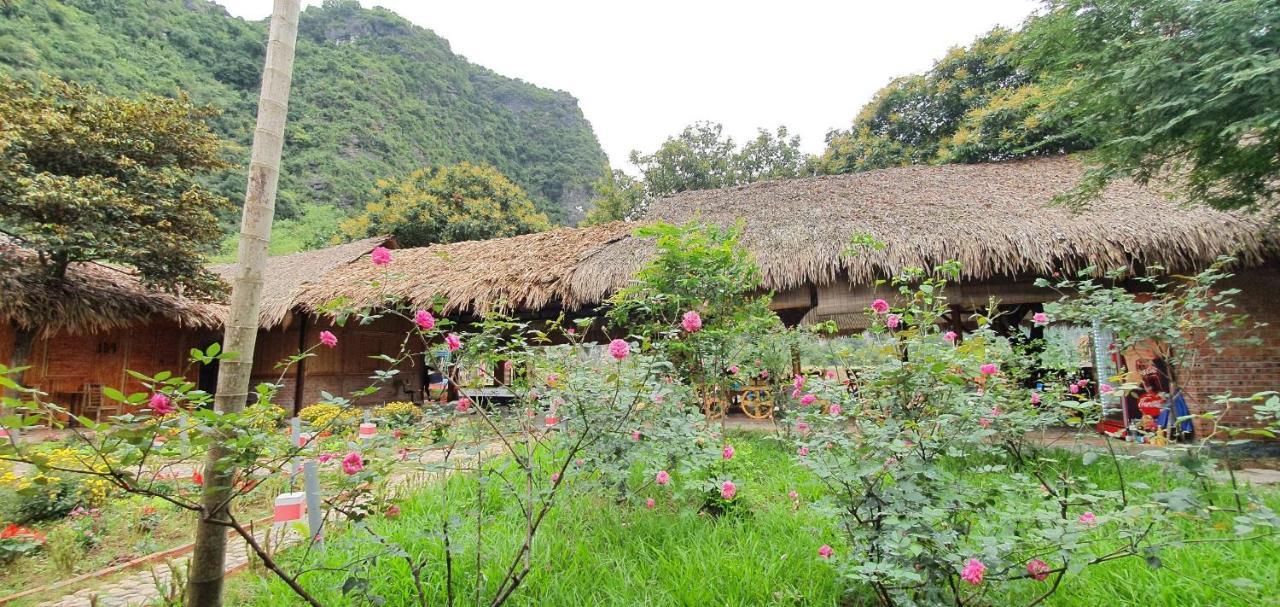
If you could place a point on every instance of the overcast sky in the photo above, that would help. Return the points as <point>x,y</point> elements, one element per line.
<point>643,71</point>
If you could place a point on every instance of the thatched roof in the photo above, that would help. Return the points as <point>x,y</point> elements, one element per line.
<point>529,272</point>
<point>996,219</point>
<point>91,298</point>
<point>287,275</point>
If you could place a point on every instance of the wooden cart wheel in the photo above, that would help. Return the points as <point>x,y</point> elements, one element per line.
<point>714,404</point>
<point>756,402</point>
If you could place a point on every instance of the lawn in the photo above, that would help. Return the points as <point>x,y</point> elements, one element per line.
<point>595,551</point>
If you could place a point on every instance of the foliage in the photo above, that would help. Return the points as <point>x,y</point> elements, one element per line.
<point>49,499</point>
<point>372,95</point>
<point>449,204</point>
<point>399,414</point>
<point>329,416</point>
<point>979,103</point>
<point>617,197</point>
<point>1177,86</point>
<point>18,541</point>
<point>85,176</point>
<point>701,157</point>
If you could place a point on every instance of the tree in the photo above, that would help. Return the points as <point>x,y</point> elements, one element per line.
<point>617,196</point>
<point>449,204</point>
<point>701,157</point>
<point>85,176</point>
<point>208,556</point>
<point>1172,86</point>
<point>980,103</point>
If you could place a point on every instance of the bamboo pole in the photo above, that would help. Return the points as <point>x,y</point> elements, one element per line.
<point>208,558</point>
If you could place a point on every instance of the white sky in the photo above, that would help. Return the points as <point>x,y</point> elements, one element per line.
<point>643,71</point>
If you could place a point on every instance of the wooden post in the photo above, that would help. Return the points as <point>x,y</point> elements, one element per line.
<point>208,557</point>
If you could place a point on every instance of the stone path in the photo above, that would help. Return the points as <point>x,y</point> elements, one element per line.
<point>150,585</point>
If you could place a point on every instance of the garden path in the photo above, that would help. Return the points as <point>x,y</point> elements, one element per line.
<point>149,585</point>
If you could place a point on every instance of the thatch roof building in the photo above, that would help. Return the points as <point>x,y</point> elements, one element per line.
<point>287,276</point>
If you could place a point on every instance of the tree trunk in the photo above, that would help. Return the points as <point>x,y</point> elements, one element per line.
<point>24,341</point>
<point>208,560</point>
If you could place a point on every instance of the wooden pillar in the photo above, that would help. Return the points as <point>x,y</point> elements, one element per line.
<point>300,372</point>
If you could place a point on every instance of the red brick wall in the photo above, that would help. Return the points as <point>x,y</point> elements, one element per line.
<point>1242,370</point>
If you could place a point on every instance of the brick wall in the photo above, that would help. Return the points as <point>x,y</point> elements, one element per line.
<point>1241,370</point>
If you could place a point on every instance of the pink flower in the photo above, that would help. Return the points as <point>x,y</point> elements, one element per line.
<point>326,457</point>
<point>1035,398</point>
<point>804,451</point>
<point>950,336</point>
<point>635,435</point>
<point>793,495</point>
<point>733,369</point>
<point>691,321</point>
<point>728,452</point>
<point>649,503</point>
<point>728,490</point>
<point>985,422</point>
<point>555,477</point>
<point>808,399</point>
<point>424,320</point>
<point>973,571</point>
<point>381,256</point>
<point>1038,569</point>
<point>1089,519</point>
<point>989,369</point>
<point>835,410</point>
<point>1106,389</point>
<point>880,306</point>
<point>352,463</point>
<point>1040,318</point>
<point>464,405</point>
<point>893,320</point>
<point>552,379</point>
<point>1082,382</point>
<point>802,427</point>
<point>619,349</point>
<point>825,551</point>
<point>764,374</point>
<point>662,478</point>
<point>328,339</point>
<point>798,382</point>
<point>1074,388</point>
<point>393,511</point>
<point>453,341</point>
<point>553,419</point>
<point>161,404</point>
<point>831,374</point>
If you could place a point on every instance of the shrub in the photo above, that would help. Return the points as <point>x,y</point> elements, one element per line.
<point>263,416</point>
<point>46,499</point>
<point>330,417</point>
<point>18,541</point>
<point>399,414</point>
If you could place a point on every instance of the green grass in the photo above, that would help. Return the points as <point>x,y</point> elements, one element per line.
<point>594,551</point>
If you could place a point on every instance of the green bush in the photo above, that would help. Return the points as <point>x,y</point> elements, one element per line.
<point>40,502</point>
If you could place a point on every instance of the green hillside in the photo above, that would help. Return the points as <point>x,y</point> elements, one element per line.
<point>374,96</point>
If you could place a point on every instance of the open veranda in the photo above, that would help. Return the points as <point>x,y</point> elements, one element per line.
<point>609,460</point>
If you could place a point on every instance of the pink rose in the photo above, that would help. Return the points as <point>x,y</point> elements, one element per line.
<point>381,256</point>
<point>1106,389</point>
<point>728,452</point>
<point>835,410</point>
<point>555,477</point>
<point>973,571</point>
<point>808,399</point>
<point>424,320</point>
<point>1038,569</point>
<point>825,551</point>
<point>619,349</point>
<point>453,341</point>
<point>1040,318</point>
<point>798,382</point>
<point>804,451</point>
<point>161,404</point>
<point>733,369</point>
<point>950,336</point>
<point>635,435</point>
<point>649,503</point>
<point>880,306</point>
<point>691,321</point>
<point>662,478</point>
<point>1089,519</point>
<point>892,320</point>
<point>1035,398</point>
<point>831,373</point>
<point>728,490</point>
<point>352,463</point>
<point>328,339</point>
<point>802,427</point>
<point>989,369</point>
<point>464,405</point>
<point>326,457</point>
<point>1074,388</point>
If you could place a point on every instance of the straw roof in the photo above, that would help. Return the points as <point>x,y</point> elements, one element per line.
<point>996,219</point>
<point>529,272</point>
<point>91,298</point>
<point>287,275</point>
